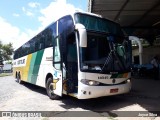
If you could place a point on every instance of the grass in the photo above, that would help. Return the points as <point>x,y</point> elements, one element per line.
<point>5,74</point>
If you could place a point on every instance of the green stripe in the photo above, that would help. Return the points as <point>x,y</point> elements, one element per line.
<point>116,76</point>
<point>31,66</point>
<point>120,75</point>
<point>34,66</point>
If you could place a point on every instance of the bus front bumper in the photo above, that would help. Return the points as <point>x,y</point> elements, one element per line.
<point>87,92</point>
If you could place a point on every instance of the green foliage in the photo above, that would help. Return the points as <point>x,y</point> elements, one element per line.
<point>0,44</point>
<point>1,59</point>
<point>6,51</point>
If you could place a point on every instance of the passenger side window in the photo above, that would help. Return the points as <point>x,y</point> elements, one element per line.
<point>39,45</point>
<point>32,46</point>
<point>57,55</point>
<point>48,37</point>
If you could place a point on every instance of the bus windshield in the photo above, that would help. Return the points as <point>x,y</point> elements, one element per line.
<point>98,24</point>
<point>105,54</point>
<point>107,49</point>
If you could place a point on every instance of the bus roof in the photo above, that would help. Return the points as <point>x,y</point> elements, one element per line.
<point>71,14</point>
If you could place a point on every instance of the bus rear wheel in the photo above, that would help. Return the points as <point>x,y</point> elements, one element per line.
<point>19,78</point>
<point>49,89</point>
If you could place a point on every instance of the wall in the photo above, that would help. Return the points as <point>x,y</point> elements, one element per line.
<point>148,53</point>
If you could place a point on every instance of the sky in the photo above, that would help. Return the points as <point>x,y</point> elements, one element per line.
<point>20,20</point>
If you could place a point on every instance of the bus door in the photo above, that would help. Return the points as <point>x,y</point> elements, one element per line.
<point>72,65</point>
<point>57,63</point>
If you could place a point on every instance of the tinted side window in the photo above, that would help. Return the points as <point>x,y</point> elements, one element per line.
<point>65,24</point>
<point>36,43</point>
<point>39,42</point>
<point>20,52</point>
<point>27,48</point>
<point>48,37</point>
<point>54,27</point>
<point>32,46</point>
<point>16,54</point>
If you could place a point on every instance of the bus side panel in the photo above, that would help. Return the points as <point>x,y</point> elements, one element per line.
<point>18,69</point>
<point>22,65</point>
<point>45,66</point>
<point>30,73</point>
<point>26,68</point>
<point>34,67</point>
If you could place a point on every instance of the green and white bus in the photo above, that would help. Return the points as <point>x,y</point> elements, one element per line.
<point>81,54</point>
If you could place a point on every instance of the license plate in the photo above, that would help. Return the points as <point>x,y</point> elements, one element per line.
<point>114,90</point>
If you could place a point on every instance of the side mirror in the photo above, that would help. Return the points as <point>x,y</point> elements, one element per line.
<point>82,35</point>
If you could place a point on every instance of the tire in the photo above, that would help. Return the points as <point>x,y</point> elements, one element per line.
<point>49,89</point>
<point>16,77</point>
<point>19,79</point>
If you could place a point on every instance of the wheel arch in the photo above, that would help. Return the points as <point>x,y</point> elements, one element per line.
<point>48,76</point>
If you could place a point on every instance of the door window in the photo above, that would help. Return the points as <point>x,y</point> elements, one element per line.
<point>57,55</point>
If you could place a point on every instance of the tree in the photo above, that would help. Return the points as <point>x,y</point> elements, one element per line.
<point>6,51</point>
<point>1,59</point>
<point>0,44</point>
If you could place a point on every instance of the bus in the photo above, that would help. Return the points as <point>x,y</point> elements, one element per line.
<point>81,54</point>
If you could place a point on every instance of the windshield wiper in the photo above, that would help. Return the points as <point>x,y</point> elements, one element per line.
<point>113,55</point>
<point>106,61</point>
<point>108,58</point>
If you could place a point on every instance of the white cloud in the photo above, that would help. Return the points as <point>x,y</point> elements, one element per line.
<point>55,10</point>
<point>16,15</point>
<point>10,33</point>
<point>27,12</point>
<point>33,4</point>
<point>23,8</point>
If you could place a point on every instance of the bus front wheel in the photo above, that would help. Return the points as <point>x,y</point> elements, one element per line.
<point>50,90</point>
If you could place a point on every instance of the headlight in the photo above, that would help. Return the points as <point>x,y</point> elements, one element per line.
<point>90,82</point>
<point>128,80</point>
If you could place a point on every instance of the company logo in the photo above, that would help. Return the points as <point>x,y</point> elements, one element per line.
<point>114,80</point>
<point>49,58</point>
<point>22,61</point>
